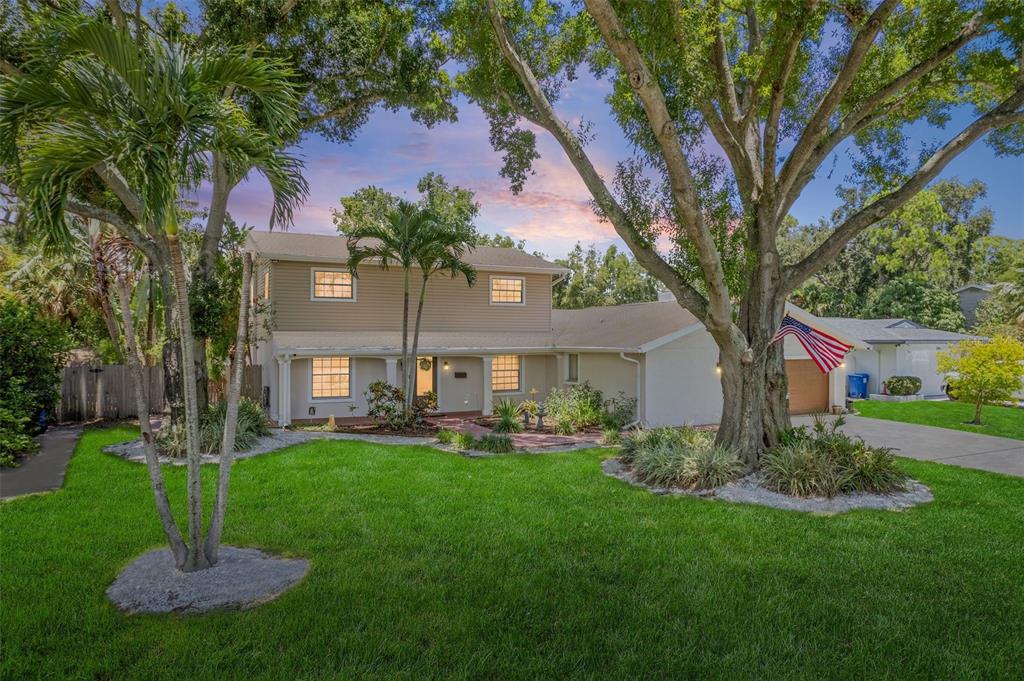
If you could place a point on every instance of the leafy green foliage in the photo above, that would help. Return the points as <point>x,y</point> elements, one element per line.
<point>508,413</point>
<point>611,278</point>
<point>902,385</point>
<point>917,300</point>
<point>446,436</point>
<point>680,457</point>
<point>611,436</point>
<point>824,461</point>
<point>33,349</point>
<point>252,425</point>
<point>576,406</point>
<point>499,443</point>
<point>983,372</point>
<point>618,411</point>
<point>464,441</point>
<point>385,404</point>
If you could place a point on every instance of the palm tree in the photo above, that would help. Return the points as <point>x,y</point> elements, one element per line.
<point>150,115</point>
<point>408,237</point>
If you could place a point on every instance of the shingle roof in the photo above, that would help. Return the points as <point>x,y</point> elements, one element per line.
<point>619,326</point>
<point>881,331</point>
<point>332,248</point>
<point>390,342</point>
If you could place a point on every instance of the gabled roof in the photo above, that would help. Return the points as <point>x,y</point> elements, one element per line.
<point>334,249</point>
<point>631,327</point>
<point>883,331</point>
<point>980,287</point>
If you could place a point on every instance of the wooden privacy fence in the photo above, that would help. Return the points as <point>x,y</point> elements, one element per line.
<point>106,391</point>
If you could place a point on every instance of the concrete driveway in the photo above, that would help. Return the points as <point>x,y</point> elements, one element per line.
<point>985,452</point>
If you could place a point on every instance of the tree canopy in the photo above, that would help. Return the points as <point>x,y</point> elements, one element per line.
<point>611,278</point>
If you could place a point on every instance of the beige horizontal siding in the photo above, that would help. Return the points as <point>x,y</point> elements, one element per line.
<point>451,305</point>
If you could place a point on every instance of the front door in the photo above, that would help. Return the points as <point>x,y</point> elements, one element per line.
<point>425,368</point>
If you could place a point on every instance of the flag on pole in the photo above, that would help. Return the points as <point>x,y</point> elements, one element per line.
<point>826,351</point>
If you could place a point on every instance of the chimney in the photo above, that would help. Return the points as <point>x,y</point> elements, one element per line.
<point>666,297</point>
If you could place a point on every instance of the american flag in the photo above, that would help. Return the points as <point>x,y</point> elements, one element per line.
<point>826,351</point>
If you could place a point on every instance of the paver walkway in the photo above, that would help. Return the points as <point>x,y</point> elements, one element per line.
<point>43,471</point>
<point>928,443</point>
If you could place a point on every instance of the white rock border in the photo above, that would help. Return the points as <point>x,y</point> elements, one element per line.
<point>242,578</point>
<point>751,490</point>
<point>280,438</point>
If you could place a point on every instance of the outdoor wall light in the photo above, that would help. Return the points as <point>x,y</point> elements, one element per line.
<point>446,366</point>
<point>718,367</point>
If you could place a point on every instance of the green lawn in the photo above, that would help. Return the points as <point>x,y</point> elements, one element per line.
<point>430,565</point>
<point>1001,421</point>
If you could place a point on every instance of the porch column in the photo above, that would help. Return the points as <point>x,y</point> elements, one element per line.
<point>284,390</point>
<point>391,369</point>
<point>837,385</point>
<point>488,407</point>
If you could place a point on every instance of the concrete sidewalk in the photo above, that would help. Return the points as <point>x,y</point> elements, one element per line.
<point>43,471</point>
<point>927,443</point>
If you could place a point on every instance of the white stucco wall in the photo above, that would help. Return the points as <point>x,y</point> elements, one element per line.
<point>609,373</point>
<point>681,386</point>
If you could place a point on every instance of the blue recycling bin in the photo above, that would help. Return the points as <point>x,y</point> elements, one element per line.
<point>857,386</point>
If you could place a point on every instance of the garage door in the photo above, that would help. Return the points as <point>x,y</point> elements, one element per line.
<point>808,387</point>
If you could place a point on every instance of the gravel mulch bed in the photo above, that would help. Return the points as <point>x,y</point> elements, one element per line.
<point>241,579</point>
<point>751,490</point>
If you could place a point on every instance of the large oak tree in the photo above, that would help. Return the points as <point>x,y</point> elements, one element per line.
<point>733,109</point>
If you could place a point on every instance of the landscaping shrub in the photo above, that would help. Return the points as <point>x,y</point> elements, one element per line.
<point>618,411</point>
<point>565,426</point>
<point>611,436</point>
<point>902,385</point>
<point>32,353</point>
<point>495,442</point>
<point>508,417</point>
<point>424,404</point>
<point>824,461</point>
<point>680,457</point>
<point>385,404</point>
<point>581,405</point>
<point>464,441</point>
<point>445,436</point>
<point>529,407</point>
<point>252,425</point>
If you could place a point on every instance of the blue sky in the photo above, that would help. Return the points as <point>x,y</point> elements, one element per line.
<point>553,212</point>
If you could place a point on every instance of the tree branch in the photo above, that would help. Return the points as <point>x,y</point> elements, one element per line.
<point>547,118</point>
<point>684,189</point>
<point>125,228</point>
<point>1007,113</point>
<point>833,95</point>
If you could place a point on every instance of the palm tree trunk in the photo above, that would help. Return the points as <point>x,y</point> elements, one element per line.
<point>196,559</point>
<point>416,342</point>
<point>405,344</point>
<point>227,449</point>
<point>156,476</point>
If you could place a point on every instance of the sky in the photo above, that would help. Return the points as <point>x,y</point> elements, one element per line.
<point>553,212</point>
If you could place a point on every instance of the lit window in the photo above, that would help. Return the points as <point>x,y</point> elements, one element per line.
<point>505,373</point>
<point>574,369</point>
<point>507,290</point>
<point>329,284</point>
<point>331,377</point>
<point>266,286</point>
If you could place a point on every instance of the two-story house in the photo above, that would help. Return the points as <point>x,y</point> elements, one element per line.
<point>327,335</point>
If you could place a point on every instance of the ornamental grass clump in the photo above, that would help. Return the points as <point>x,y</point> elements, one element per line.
<point>445,436</point>
<point>497,443</point>
<point>680,457</point>
<point>508,413</point>
<point>464,441</point>
<point>252,425</point>
<point>825,462</point>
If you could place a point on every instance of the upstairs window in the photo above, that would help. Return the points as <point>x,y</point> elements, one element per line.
<point>505,374</point>
<point>508,291</point>
<point>333,285</point>
<point>331,378</point>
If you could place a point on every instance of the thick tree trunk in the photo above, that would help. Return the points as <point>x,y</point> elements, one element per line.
<point>227,449</point>
<point>156,477</point>
<point>977,413</point>
<point>196,559</point>
<point>174,400</point>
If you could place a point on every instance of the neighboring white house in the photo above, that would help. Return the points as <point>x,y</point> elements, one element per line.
<point>897,347</point>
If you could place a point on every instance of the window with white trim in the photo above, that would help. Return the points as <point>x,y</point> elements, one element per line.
<point>333,285</point>
<point>505,374</point>
<point>573,375</point>
<point>507,290</point>
<point>332,378</point>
